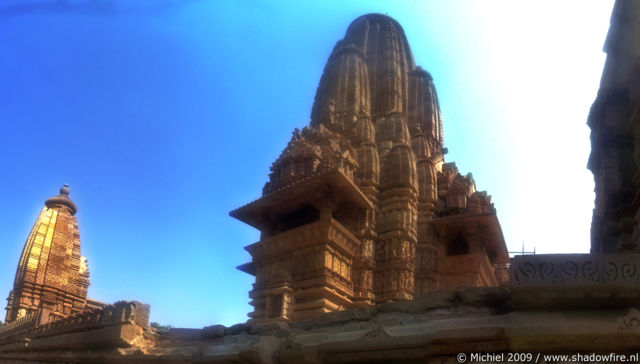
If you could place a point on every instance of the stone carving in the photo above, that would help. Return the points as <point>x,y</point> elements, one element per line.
<point>575,269</point>
<point>376,123</point>
<point>568,269</point>
<point>18,329</point>
<point>630,322</point>
<point>377,332</point>
<point>601,272</point>
<point>447,225</point>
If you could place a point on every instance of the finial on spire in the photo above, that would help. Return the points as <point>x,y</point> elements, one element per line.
<point>64,190</point>
<point>62,200</point>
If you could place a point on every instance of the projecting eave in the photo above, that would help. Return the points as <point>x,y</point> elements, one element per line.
<point>490,229</point>
<point>289,198</point>
<point>249,268</point>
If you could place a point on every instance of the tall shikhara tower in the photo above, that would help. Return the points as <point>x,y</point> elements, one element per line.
<point>52,278</point>
<point>360,207</point>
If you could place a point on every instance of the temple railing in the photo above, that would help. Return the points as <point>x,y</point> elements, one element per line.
<point>121,312</point>
<point>18,329</point>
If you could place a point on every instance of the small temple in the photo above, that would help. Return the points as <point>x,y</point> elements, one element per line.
<point>361,207</point>
<point>52,277</point>
<point>48,306</point>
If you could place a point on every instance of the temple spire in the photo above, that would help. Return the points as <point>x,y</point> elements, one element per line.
<point>52,277</point>
<point>359,208</point>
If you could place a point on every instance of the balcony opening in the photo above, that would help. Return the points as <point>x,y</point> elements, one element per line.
<point>302,216</point>
<point>458,246</point>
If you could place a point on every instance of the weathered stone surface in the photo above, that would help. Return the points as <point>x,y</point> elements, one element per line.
<point>356,314</point>
<point>262,351</point>
<point>432,300</point>
<point>213,331</point>
<point>115,336</point>
<point>278,329</point>
<point>138,311</point>
<point>483,296</point>
<point>177,336</point>
<point>86,336</point>
<point>237,329</point>
<point>439,327</point>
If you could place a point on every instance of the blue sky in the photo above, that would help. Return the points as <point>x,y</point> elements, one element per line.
<point>165,115</point>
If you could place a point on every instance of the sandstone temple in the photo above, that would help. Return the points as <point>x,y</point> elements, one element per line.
<point>373,249</point>
<point>52,278</point>
<point>361,207</point>
<point>49,296</point>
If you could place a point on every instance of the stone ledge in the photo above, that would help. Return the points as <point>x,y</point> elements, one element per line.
<point>119,313</point>
<point>397,337</point>
<point>452,322</point>
<point>120,336</point>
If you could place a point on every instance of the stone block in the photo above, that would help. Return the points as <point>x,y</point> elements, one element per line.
<point>117,336</point>
<point>278,329</point>
<point>483,296</point>
<point>432,300</point>
<point>213,331</point>
<point>237,329</point>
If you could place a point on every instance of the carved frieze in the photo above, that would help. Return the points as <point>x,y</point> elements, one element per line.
<point>575,269</point>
